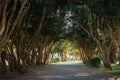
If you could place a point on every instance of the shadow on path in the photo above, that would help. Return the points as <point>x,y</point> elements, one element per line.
<point>66,71</point>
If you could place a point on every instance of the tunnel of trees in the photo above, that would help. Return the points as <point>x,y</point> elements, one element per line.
<point>31,31</point>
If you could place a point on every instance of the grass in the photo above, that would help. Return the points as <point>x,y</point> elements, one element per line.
<point>115,68</point>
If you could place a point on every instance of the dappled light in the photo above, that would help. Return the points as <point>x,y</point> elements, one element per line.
<point>63,38</point>
<point>68,72</point>
<point>65,51</point>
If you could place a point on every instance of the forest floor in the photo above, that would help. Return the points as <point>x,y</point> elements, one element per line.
<point>63,71</point>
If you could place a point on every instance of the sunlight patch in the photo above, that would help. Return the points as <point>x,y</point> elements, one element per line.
<point>82,74</point>
<point>59,76</point>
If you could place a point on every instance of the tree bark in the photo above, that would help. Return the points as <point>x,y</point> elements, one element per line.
<point>3,22</point>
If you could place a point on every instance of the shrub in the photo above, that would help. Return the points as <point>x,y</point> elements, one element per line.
<point>56,60</point>
<point>96,62</point>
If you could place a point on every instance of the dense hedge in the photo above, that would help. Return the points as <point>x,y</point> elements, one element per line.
<point>96,62</point>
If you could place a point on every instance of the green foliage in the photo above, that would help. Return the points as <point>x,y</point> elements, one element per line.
<point>62,24</point>
<point>108,8</point>
<point>65,46</point>
<point>96,62</point>
<point>115,69</point>
<point>55,60</point>
<point>36,8</point>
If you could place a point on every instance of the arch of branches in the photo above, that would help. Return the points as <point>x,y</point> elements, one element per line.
<point>31,30</point>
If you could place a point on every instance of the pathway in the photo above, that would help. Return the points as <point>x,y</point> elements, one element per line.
<point>66,71</point>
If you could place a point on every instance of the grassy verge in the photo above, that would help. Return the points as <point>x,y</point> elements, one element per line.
<point>115,68</point>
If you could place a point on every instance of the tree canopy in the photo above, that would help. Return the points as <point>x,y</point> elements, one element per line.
<point>31,29</point>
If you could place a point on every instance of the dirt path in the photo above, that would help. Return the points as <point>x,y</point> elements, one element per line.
<point>65,71</point>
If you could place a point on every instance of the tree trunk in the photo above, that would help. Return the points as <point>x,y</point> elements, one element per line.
<point>112,56</point>
<point>105,57</point>
<point>3,22</point>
